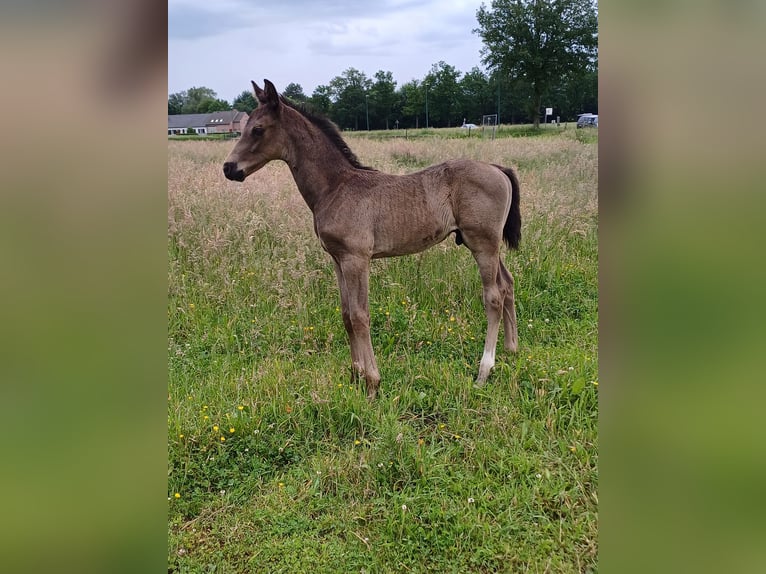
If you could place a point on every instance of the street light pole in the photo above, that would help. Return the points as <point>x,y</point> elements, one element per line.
<point>367,111</point>
<point>426,105</point>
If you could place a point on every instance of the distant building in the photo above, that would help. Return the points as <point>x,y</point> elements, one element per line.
<point>230,121</point>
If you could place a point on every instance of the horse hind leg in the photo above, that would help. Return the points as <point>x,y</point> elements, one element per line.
<point>505,284</point>
<point>493,297</point>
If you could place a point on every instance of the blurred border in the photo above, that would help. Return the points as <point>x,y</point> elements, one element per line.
<point>83,246</point>
<point>682,458</point>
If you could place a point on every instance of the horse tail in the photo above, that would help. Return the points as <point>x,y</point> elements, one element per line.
<point>512,227</point>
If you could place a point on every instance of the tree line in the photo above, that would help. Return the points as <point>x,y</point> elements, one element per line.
<point>538,54</point>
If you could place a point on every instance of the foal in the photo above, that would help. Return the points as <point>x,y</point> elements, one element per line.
<point>362,214</point>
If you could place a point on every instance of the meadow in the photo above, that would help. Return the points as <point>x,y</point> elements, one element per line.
<point>276,463</point>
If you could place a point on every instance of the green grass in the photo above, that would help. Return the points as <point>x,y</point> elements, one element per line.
<point>502,131</point>
<point>434,476</point>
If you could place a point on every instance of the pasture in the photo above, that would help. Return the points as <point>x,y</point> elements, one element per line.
<point>277,464</point>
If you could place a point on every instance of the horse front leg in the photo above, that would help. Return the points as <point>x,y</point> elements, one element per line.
<point>356,275</point>
<point>356,360</point>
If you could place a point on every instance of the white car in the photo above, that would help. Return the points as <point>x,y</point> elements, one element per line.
<point>587,121</point>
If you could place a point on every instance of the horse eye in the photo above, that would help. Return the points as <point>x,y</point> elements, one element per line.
<point>257,132</point>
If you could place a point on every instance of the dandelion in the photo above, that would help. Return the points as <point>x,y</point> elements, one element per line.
<point>340,385</point>
<point>205,418</point>
<point>240,408</point>
<point>547,320</point>
<point>357,442</point>
<point>538,475</point>
<point>231,429</point>
<point>387,313</point>
<point>380,465</point>
<point>404,508</point>
<point>421,442</point>
<point>442,425</point>
<point>281,485</point>
<point>449,330</point>
<point>215,428</point>
<point>204,407</point>
<point>452,318</point>
<point>572,448</point>
<point>192,305</point>
<point>223,439</point>
<point>470,500</point>
<point>181,435</point>
<point>456,436</point>
<point>177,495</point>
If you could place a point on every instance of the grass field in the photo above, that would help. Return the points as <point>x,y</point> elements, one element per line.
<point>277,464</point>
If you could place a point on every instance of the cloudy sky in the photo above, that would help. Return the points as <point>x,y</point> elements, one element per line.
<point>223,45</point>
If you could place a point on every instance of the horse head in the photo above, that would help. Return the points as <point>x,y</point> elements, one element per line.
<point>262,139</point>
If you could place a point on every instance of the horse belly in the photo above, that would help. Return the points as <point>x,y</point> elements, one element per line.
<point>406,240</point>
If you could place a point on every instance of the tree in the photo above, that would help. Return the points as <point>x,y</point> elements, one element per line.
<point>539,42</point>
<point>349,103</point>
<point>176,103</point>
<point>245,102</point>
<point>294,92</point>
<point>476,99</point>
<point>196,101</point>
<point>210,105</point>
<point>441,84</point>
<point>382,99</point>
<point>321,99</point>
<point>412,98</point>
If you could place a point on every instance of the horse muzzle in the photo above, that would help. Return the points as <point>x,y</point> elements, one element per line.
<point>231,172</point>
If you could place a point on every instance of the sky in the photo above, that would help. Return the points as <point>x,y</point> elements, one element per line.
<point>223,45</point>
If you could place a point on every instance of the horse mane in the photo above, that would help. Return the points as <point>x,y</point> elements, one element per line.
<point>329,129</point>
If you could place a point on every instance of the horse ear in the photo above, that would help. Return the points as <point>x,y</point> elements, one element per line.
<point>272,97</point>
<point>259,93</point>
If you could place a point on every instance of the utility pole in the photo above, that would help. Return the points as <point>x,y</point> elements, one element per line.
<point>367,111</point>
<point>426,105</point>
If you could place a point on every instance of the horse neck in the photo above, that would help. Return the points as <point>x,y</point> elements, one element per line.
<point>316,164</point>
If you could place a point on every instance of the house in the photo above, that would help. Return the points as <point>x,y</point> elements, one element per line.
<point>231,121</point>
<point>181,123</point>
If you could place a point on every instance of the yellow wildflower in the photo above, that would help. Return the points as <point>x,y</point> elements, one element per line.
<point>177,495</point>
